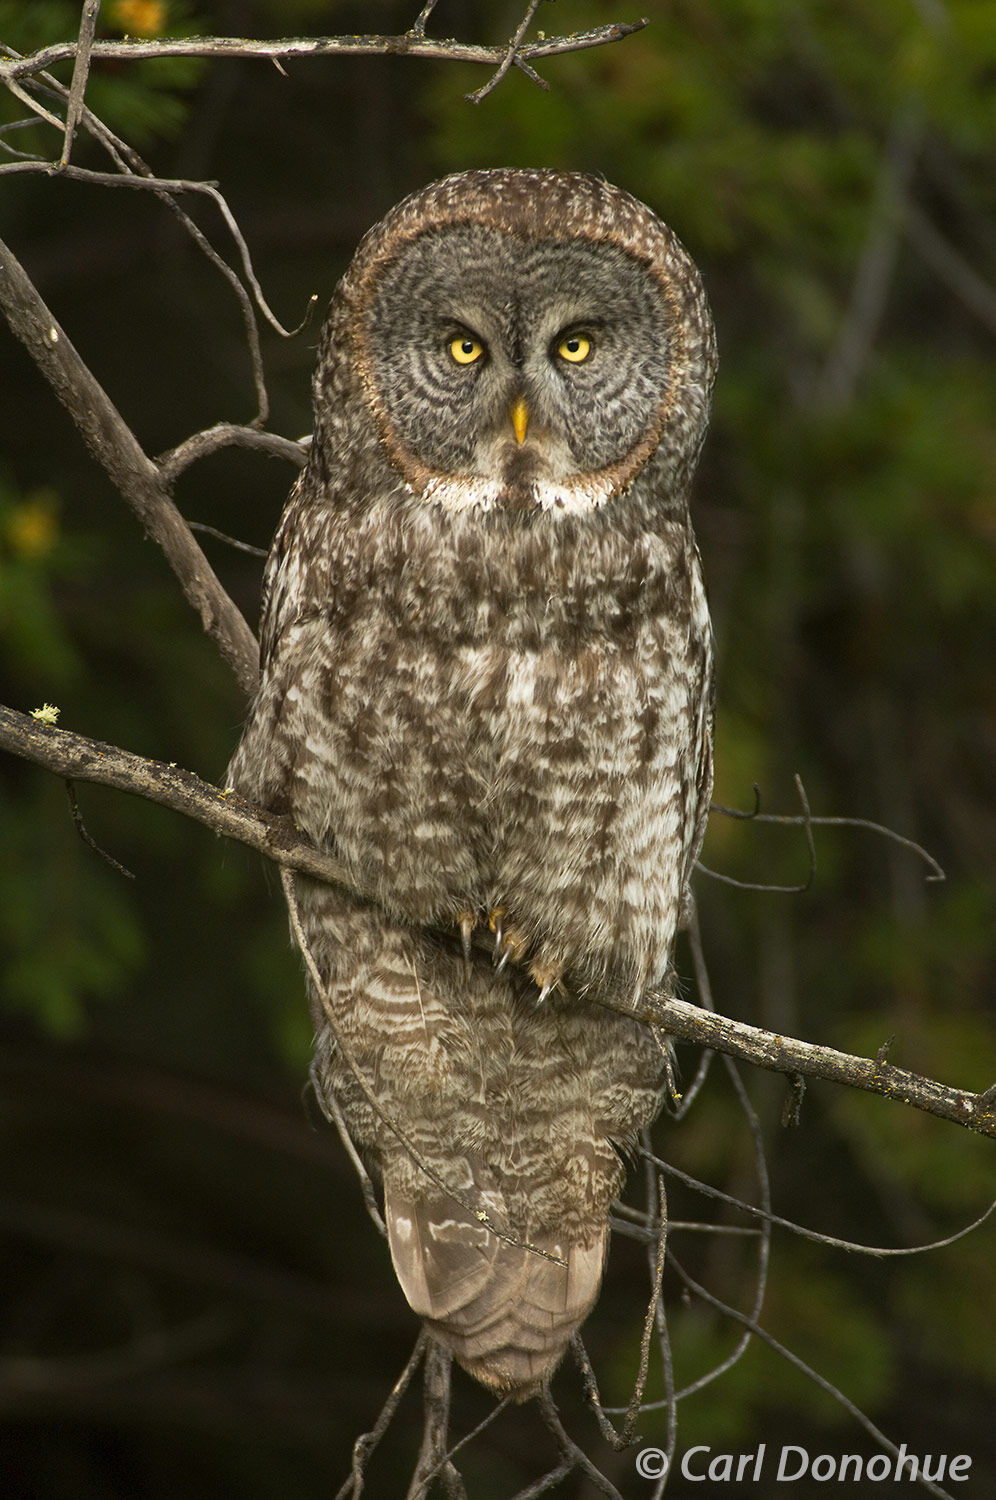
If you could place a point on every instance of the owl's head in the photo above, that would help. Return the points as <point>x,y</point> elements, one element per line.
<point>524,339</point>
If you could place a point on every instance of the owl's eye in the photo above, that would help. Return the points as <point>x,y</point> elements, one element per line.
<point>575,348</point>
<point>466,350</point>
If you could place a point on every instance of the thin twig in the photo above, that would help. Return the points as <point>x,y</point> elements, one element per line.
<point>657,1255</point>
<point>419,24</point>
<point>81,72</point>
<point>764,1240</point>
<point>818,1237</point>
<point>810,821</point>
<point>569,1449</point>
<point>509,58</point>
<point>703,989</point>
<point>132,171</point>
<point>801,1365</point>
<point>77,817</point>
<point>330,1108</point>
<point>230,541</point>
<point>806,821</point>
<point>368,1441</point>
<point>432,1458</point>
<point>229,435</point>
<point>165,188</point>
<point>469,1437</point>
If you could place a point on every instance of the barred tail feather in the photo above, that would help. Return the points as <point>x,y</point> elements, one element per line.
<point>506,1312</point>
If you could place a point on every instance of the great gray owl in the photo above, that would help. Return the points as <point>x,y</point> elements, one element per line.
<point>486,687</point>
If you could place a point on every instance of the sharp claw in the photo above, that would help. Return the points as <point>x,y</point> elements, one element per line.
<point>546,977</point>
<point>509,942</point>
<point>496,922</point>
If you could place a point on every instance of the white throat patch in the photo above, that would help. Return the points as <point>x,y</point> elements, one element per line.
<point>463,492</point>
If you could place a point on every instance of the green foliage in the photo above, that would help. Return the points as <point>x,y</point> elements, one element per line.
<point>68,934</point>
<point>142,101</point>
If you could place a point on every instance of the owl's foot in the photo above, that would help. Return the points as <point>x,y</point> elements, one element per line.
<point>546,976</point>
<point>509,941</point>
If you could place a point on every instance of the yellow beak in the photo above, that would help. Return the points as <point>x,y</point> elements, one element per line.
<point>520,420</point>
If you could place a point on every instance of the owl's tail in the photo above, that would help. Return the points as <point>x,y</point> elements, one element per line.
<point>506,1310</point>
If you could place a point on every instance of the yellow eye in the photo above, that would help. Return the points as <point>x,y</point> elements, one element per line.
<point>574,348</point>
<point>466,350</point>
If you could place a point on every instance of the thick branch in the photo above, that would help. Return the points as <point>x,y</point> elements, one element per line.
<point>79,759</point>
<point>115,447</point>
<point>785,1054</point>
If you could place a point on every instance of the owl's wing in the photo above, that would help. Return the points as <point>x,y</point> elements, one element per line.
<point>284,575</point>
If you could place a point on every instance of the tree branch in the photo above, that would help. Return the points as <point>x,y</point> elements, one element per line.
<point>76,758</point>
<point>81,72</point>
<point>410,44</point>
<point>117,450</point>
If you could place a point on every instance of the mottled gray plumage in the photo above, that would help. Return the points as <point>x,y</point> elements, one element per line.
<point>487,686</point>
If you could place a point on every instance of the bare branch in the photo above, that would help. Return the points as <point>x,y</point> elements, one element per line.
<point>781,1054</point>
<point>77,758</point>
<point>368,1441</point>
<point>115,447</point>
<point>432,1458</point>
<point>80,826</point>
<point>81,72</point>
<point>329,1106</point>
<point>572,1457</point>
<point>228,435</point>
<point>808,821</point>
<point>419,24</point>
<point>855,1247</point>
<point>230,541</point>
<point>413,43</point>
<point>509,58</point>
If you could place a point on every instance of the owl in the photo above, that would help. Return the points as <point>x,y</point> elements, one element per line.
<point>486,687</point>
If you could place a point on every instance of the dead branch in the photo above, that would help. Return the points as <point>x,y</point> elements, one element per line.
<point>512,55</point>
<point>81,71</point>
<point>432,1459</point>
<point>412,43</point>
<point>76,758</point>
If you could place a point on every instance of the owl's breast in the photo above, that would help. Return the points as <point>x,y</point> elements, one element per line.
<point>590,746</point>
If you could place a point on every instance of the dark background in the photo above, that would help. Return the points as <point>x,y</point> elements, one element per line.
<point>194,1302</point>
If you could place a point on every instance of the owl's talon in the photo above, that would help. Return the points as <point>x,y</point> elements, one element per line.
<point>509,942</point>
<point>546,977</point>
